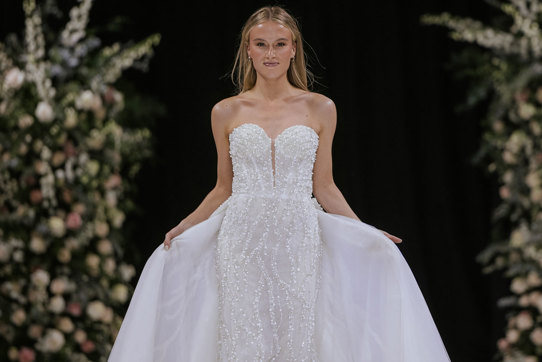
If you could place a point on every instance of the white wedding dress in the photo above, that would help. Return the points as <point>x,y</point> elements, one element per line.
<point>270,276</point>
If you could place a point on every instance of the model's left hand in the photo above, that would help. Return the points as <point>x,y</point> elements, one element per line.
<point>393,238</point>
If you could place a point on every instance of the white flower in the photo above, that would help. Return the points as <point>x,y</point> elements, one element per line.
<point>25,121</point>
<point>526,110</point>
<point>95,310</point>
<point>59,285</point>
<point>109,265</point>
<point>40,278</point>
<point>92,260</point>
<point>120,293</point>
<point>87,100</point>
<point>18,317</point>
<point>53,341</point>
<point>533,279</point>
<point>57,304</point>
<point>80,336</point>
<point>65,324</point>
<point>70,119</point>
<point>37,245</point>
<point>57,226</point>
<point>512,335</point>
<point>44,112</point>
<point>127,272</point>
<point>518,285</point>
<point>536,336</point>
<point>524,321</point>
<point>14,78</point>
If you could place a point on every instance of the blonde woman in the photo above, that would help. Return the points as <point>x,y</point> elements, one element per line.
<point>259,271</point>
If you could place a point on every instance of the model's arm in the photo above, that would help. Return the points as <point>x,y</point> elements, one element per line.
<point>324,188</point>
<point>223,187</point>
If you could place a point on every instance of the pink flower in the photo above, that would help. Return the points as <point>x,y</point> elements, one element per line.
<point>36,196</point>
<point>26,355</point>
<point>73,221</point>
<point>88,346</point>
<point>74,308</point>
<point>113,181</point>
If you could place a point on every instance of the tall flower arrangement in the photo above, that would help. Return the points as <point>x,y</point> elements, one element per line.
<point>504,63</point>
<point>65,163</point>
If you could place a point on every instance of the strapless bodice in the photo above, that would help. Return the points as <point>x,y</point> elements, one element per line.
<point>254,172</point>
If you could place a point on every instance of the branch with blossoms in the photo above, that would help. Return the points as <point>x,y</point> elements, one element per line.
<point>66,167</point>
<point>504,65</point>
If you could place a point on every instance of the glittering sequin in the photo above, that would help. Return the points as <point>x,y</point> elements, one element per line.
<point>269,248</point>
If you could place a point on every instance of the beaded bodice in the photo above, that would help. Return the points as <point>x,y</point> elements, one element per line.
<point>281,167</point>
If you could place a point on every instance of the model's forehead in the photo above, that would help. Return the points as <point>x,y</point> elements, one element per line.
<point>270,30</point>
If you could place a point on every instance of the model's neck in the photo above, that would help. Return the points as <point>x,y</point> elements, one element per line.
<point>272,90</point>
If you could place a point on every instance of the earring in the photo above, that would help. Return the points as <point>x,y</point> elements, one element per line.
<point>249,58</point>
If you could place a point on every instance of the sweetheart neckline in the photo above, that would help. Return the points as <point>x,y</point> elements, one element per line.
<point>280,133</point>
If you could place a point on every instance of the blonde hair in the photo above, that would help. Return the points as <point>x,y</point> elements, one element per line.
<point>243,74</point>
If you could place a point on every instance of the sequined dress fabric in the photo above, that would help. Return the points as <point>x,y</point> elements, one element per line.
<point>271,276</point>
<point>269,248</point>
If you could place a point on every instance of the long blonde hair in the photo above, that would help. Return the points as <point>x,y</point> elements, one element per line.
<point>243,74</point>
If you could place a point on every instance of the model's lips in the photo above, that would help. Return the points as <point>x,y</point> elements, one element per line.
<point>270,64</point>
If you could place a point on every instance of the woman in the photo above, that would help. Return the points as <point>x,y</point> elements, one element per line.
<point>259,271</point>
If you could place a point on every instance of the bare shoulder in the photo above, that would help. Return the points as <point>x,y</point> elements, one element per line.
<point>224,111</point>
<point>323,110</point>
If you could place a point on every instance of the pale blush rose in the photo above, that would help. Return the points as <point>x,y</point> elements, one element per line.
<point>101,228</point>
<point>40,278</point>
<point>108,315</point>
<point>88,346</point>
<point>58,158</point>
<point>113,181</point>
<point>36,196</point>
<point>111,198</point>
<point>95,310</point>
<point>536,336</point>
<point>25,121</point>
<point>58,285</point>
<point>65,324</point>
<point>524,321</point>
<point>119,293</point>
<point>57,226</point>
<point>518,285</point>
<point>5,252</point>
<point>40,167</point>
<point>530,359</point>
<point>44,112</point>
<point>533,279</point>
<point>92,261</point>
<point>80,336</point>
<point>35,331</point>
<point>509,157</point>
<point>526,110</point>
<point>109,266</point>
<point>73,221</point>
<point>502,344</point>
<point>18,317</point>
<point>14,78</point>
<point>504,192</point>
<point>27,355</point>
<point>57,304</point>
<point>104,247</point>
<point>74,308</point>
<point>512,335</point>
<point>127,272</point>
<point>64,255</point>
<point>52,341</point>
<point>524,300</point>
<point>23,149</point>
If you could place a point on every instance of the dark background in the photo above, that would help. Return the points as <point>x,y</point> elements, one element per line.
<point>401,152</point>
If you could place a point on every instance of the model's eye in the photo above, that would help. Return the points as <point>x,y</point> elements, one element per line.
<point>259,44</point>
<point>281,44</point>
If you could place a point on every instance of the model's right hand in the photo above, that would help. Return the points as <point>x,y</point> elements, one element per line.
<point>173,233</point>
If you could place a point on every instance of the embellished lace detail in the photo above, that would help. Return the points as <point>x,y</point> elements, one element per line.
<point>269,248</point>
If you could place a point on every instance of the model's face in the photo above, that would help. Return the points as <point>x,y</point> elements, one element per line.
<point>271,48</point>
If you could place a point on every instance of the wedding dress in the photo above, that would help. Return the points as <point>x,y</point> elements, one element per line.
<point>271,276</point>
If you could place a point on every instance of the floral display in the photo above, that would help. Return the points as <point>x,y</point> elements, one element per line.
<point>504,64</point>
<point>66,162</point>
